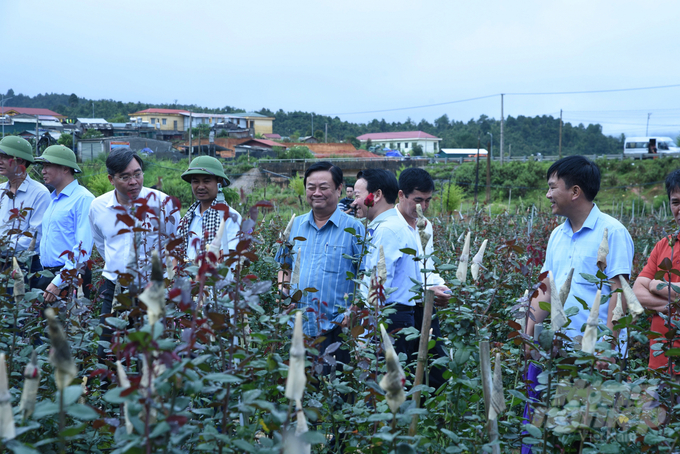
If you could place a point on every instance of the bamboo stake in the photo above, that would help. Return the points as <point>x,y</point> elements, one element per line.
<point>422,354</point>
<point>487,386</point>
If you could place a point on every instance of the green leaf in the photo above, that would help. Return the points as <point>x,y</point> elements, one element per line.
<point>71,395</point>
<point>223,378</point>
<point>84,412</point>
<point>583,303</point>
<point>112,396</point>
<point>533,430</point>
<point>313,438</point>
<point>409,251</point>
<point>161,428</point>
<point>600,275</point>
<point>673,352</point>
<point>116,322</point>
<point>244,445</point>
<point>404,448</point>
<point>45,408</point>
<point>19,448</point>
<point>544,305</point>
<point>451,435</point>
<point>73,430</point>
<point>590,278</point>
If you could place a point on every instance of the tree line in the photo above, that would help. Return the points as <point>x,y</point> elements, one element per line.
<point>524,135</point>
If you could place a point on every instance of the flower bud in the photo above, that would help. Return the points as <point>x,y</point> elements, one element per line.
<point>60,354</point>
<point>393,381</point>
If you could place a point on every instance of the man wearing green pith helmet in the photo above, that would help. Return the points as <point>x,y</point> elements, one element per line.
<point>199,225</point>
<point>19,193</point>
<point>66,226</point>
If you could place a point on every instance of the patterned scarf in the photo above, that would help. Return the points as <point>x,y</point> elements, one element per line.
<point>211,223</point>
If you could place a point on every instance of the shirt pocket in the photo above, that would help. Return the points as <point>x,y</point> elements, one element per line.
<point>583,264</point>
<point>333,258</point>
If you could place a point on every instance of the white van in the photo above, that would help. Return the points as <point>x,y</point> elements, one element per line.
<point>650,146</point>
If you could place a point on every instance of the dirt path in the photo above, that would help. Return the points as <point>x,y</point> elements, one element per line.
<point>248,181</point>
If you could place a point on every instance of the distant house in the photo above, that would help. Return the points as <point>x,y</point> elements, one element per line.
<point>11,111</point>
<point>308,139</point>
<point>99,124</point>
<point>403,141</point>
<point>272,136</point>
<point>258,148</point>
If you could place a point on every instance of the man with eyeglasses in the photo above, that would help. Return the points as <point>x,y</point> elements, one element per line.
<point>131,202</point>
<point>65,225</point>
<point>18,193</point>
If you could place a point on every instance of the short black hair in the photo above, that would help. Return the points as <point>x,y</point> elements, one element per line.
<point>119,158</point>
<point>577,171</point>
<point>336,172</point>
<point>381,179</point>
<point>349,185</point>
<point>415,179</point>
<point>673,182</point>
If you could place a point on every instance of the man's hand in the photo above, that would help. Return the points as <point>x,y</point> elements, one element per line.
<point>442,294</point>
<point>51,293</point>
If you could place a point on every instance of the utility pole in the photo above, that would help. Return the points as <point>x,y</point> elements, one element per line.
<point>190,142</point>
<point>560,133</point>
<point>491,144</point>
<point>488,174</point>
<point>502,124</point>
<point>2,107</point>
<point>477,170</point>
<point>647,130</point>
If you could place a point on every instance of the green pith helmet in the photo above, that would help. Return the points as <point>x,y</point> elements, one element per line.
<point>60,155</point>
<point>17,147</point>
<point>206,165</point>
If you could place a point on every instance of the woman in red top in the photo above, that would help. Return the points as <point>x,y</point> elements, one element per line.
<point>646,286</point>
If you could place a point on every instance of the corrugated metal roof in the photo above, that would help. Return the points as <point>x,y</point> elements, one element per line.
<point>402,135</point>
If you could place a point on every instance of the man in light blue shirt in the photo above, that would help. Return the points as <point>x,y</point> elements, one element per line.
<point>389,230</point>
<point>327,254</point>
<point>65,226</point>
<point>18,193</point>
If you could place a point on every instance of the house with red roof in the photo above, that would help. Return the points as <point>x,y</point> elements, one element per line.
<point>12,111</point>
<point>403,141</point>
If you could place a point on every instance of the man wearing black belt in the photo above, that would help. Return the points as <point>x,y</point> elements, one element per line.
<point>65,224</point>
<point>375,192</point>
<point>148,209</point>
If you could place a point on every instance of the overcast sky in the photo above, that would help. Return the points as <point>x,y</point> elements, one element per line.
<point>350,56</point>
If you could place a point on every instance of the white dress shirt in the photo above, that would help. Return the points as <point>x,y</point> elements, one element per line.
<point>229,239</point>
<point>113,238</point>
<point>30,194</point>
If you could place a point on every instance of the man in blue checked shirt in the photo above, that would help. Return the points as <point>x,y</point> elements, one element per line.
<point>324,257</point>
<point>65,225</point>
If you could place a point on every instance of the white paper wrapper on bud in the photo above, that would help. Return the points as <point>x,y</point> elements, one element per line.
<point>31,385</point>
<point>382,267</point>
<point>497,394</point>
<point>297,380</point>
<point>153,295</point>
<point>216,244</point>
<point>421,223</point>
<point>301,427</point>
<point>393,381</point>
<point>603,251</point>
<point>289,227</point>
<point>7,429</point>
<point>169,268</point>
<point>566,287</point>
<point>31,246</point>
<point>295,278</point>
<point>477,261</point>
<point>590,335</point>
<point>124,383</point>
<point>557,316</point>
<point>18,276</point>
<point>461,273</point>
<point>60,354</point>
<point>618,310</point>
<point>632,302</point>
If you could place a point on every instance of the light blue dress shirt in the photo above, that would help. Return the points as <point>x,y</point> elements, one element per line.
<point>66,227</point>
<point>326,257</point>
<point>568,249</point>
<point>30,194</point>
<point>392,232</point>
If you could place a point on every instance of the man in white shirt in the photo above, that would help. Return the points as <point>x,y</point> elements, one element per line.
<point>112,218</point>
<point>18,193</point>
<point>416,187</point>
<point>200,223</point>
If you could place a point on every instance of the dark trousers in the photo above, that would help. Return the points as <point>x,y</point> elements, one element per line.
<point>340,354</point>
<point>403,318</point>
<point>106,297</point>
<point>43,281</point>
<point>436,377</point>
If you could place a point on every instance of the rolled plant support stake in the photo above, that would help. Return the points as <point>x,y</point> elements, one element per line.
<point>422,354</point>
<point>393,381</point>
<point>590,334</point>
<point>289,227</point>
<point>557,316</point>
<point>296,381</point>
<point>124,383</point>
<point>31,384</point>
<point>300,428</point>
<point>461,273</point>
<point>18,276</point>
<point>498,395</point>
<point>7,429</point>
<point>216,244</point>
<point>168,267</point>
<point>487,388</point>
<point>382,267</point>
<point>295,278</point>
<point>153,295</point>
<point>633,303</point>
<point>477,261</point>
<point>60,354</point>
<point>603,251</point>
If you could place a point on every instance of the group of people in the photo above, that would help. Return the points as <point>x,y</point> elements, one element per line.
<point>63,224</point>
<point>329,241</point>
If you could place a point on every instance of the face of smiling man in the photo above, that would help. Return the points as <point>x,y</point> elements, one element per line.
<point>322,195</point>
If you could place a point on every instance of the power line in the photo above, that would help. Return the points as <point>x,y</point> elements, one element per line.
<point>416,107</point>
